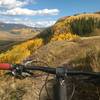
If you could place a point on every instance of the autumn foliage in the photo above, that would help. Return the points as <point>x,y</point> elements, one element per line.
<point>65,36</point>
<point>82,25</point>
<point>20,52</point>
<point>22,31</point>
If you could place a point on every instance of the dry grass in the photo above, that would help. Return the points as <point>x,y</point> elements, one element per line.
<point>15,37</point>
<point>7,40</point>
<point>59,53</point>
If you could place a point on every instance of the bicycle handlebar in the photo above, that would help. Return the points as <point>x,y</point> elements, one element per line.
<point>60,71</point>
<point>5,66</point>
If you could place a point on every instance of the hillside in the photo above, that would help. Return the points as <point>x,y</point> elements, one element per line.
<point>82,25</point>
<point>73,42</point>
<point>81,55</point>
<point>7,40</point>
<point>64,52</point>
<point>10,26</point>
<point>7,36</point>
<point>12,34</point>
<point>17,27</point>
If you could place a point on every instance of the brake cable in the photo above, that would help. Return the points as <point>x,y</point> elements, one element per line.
<point>46,80</point>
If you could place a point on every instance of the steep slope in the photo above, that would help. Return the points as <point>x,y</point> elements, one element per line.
<point>56,54</point>
<point>67,52</point>
<point>82,25</point>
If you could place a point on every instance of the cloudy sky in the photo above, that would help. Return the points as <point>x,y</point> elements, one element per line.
<point>43,13</point>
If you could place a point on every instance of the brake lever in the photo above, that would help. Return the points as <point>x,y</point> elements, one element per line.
<point>20,72</point>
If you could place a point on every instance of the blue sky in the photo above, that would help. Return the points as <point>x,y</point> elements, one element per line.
<point>43,13</point>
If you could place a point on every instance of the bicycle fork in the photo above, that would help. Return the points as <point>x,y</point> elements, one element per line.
<point>60,89</point>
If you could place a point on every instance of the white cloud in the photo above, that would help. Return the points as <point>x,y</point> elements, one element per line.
<point>41,23</point>
<point>37,23</point>
<point>10,8</point>
<point>9,4</point>
<point>17,7</point>
<point>25,11</point>
<point>31,23</point>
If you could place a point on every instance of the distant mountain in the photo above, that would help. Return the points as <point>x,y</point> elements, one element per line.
<point>11,34</point>
<point>11,26</point>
